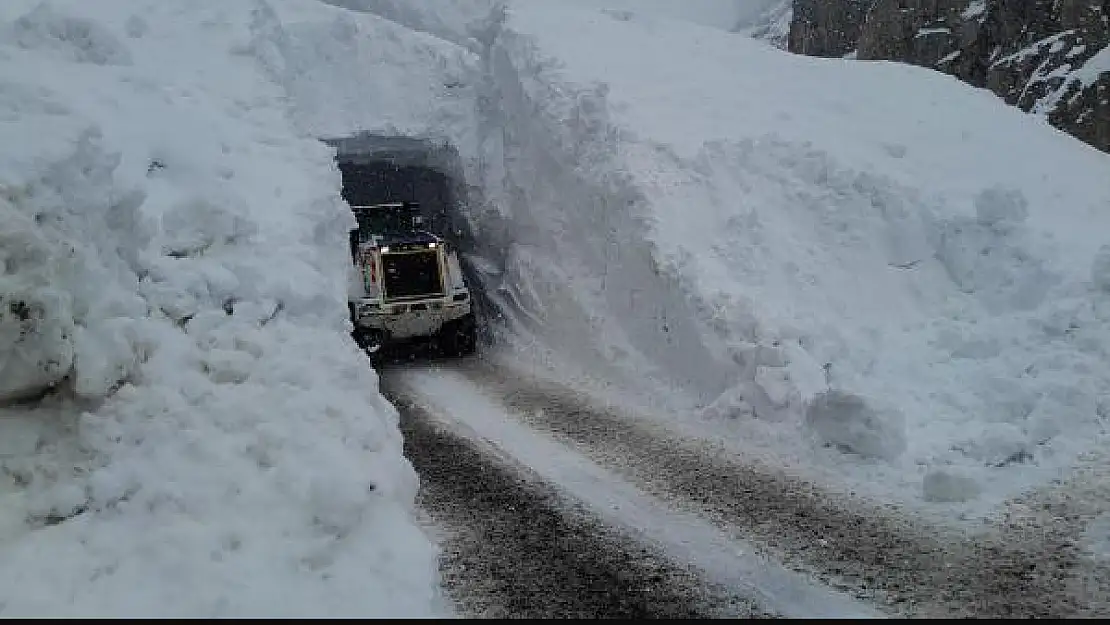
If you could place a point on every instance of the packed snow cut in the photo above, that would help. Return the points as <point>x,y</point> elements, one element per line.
<point>868,273</point>
<point>186,429</point>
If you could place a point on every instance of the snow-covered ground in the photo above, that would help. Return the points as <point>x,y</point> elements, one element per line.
<point>476,415</point>
<point>767,20</point>
<point>187,429</point>
<point>723,14</point>
<point>868,272</point>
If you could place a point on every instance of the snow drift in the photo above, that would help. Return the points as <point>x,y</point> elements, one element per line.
<point>730,229</point>
<point>186,429</point>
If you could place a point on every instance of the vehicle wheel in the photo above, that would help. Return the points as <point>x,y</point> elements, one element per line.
<point>376,359</point>
<point>459,337</point>
<point>370,341</point>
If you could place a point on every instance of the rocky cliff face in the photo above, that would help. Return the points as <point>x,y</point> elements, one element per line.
<point>1048,57</point>
<point>827,27</point>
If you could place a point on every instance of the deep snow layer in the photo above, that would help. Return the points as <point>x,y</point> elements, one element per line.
<point>867,271</point>
<point>210,443</point>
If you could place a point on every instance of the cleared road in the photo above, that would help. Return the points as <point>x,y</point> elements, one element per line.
<point>557,507</point>
<point>516,548</point>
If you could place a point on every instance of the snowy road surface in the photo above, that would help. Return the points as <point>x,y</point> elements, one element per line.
<point>514,547</point>
<point>552,506</point>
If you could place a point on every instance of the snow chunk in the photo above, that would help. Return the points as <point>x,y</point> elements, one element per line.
<point>1100,269</point>
<point>136,26</point>
<point>58,290</point>
<point>730,405</point>
<point>1000,209</point>
<point>989,256</point>
<point>943,486</point>
<point>77,39</point>
<point>36,347</point>
<point>855,425</point>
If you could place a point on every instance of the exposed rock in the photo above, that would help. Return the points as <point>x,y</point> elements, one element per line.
<point>1047,57</point>
<point>824,28</point>
<point>922,32</point>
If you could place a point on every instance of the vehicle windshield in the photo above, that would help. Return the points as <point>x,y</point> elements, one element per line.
<point>385,220</point>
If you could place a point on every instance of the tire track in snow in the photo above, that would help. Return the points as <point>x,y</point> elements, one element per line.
<point>514,548</point>
<point>1068,510</point>
<point>731,574</point>
<point>1015,569</point>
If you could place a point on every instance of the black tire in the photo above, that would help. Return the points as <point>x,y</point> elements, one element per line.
<point>372,342</point>
<point>376,359</point>
<point>459,337</point>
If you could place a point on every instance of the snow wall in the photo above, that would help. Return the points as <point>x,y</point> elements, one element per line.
<point>887,293</point>
<point>868,272</point>
<point>572,268</point>
<point>186,428</point>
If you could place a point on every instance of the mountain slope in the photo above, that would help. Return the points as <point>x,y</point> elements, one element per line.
<point>1047,57</point>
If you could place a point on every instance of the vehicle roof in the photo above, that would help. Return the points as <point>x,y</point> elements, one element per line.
<point>415,237</point>
<point>386,205</point>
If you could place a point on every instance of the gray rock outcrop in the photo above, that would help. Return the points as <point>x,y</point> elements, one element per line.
<point>1047,57</point>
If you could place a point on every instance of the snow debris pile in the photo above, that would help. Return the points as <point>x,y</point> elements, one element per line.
<point>854,425</point>
<point>867,271</point>
<point>185,427</point>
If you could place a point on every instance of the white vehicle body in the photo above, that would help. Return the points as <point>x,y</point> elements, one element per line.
<point>410,285</point>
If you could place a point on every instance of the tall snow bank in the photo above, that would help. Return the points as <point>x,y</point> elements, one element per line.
<point>347,72</point>
<point>186,429</point>
<point>564,230</point>
<point>771,228</point>
<point>451,21</point>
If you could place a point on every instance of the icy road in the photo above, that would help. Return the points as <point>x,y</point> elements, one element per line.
<point>551,506</point>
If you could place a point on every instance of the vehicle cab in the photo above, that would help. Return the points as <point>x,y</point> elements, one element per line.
<point>411,281</point>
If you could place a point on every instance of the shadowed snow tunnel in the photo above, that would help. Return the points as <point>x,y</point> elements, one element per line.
<point>378,168</point>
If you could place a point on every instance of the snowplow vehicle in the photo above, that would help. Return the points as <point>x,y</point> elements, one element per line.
<point>410,283</point>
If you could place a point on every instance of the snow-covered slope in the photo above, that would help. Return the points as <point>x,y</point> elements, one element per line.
<point>722,14</point>
<point>450,20</point>
<point>905,292</point>
<point>195,435</point>
<point>767,20</point>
